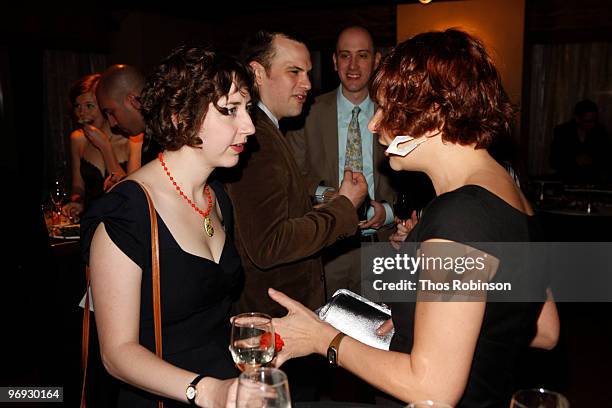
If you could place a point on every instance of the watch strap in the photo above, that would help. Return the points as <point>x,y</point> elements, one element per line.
<point>333,349</point>
<point>194,383</point>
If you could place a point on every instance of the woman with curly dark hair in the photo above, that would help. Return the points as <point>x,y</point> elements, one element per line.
<point>195,105</point>
<point>442,89</point>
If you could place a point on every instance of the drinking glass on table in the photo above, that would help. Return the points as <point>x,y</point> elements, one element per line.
<point>57,193</point>
<point>252,340</point>
<point>264,387</point>
<point>428,404</point>
<point>538,398</point>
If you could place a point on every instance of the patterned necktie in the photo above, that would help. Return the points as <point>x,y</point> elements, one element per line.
<point>354,155</point>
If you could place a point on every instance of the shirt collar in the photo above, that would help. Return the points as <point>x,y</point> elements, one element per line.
<point>345,105</point>
<point>269,114</point>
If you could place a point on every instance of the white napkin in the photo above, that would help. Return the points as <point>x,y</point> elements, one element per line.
<point>82,302</point>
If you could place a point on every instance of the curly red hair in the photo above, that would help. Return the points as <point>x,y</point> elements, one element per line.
<point>442,81</point>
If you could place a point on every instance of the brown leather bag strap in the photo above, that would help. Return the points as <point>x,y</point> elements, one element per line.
<point>85,337</point>
<point>155,279</point>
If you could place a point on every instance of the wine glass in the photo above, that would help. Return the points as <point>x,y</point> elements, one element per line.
<point>252,340</point>
<point>264,387</point>
<point>403,205</point>
<point>538,398</point>
<point>57,193</point>
<point>428,403</point>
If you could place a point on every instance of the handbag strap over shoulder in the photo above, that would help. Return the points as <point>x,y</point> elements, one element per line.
<point>85,337</point>
<point>155,278</point>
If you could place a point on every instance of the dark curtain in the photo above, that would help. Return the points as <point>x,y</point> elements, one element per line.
<point>561,75</point>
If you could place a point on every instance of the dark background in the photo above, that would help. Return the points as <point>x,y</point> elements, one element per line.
<point>40,287</point>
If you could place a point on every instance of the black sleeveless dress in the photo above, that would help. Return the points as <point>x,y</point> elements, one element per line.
<point>196,293</point>
<point>94,181</point>
<point>473,214</point>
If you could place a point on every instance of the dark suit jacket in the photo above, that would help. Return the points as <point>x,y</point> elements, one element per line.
<point>316,150</point>
<point>278,234</point>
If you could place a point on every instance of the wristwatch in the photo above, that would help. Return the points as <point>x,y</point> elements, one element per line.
<point>191,392</point>
<point>332,350</point>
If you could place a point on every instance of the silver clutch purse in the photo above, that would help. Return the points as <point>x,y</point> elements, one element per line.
<point>357,317</point>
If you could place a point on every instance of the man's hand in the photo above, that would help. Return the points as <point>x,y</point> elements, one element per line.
<point>354,187</point>
<point>379,217</point>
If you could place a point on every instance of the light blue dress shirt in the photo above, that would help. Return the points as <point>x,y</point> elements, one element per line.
<point>345,112</point>
<point>269,114</point>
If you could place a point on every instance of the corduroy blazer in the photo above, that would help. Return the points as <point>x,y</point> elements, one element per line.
<point>277,232</point>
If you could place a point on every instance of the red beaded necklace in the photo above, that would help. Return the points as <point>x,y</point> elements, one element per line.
<point>208,227</point>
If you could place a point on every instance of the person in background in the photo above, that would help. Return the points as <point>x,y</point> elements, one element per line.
<point>99,156</point>
<point>581,148</point>
<point>278,233</point>
<point>442,88</point>
<point>196,106</point>
<point>119,98</point>
<point>320,150</point>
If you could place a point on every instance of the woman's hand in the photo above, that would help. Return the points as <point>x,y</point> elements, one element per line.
<point>113,179</point>
<point>385,328</point>
<point>301,329</point>
<point>214,393</point>
<point>97,137</point>
<point>402,229</point>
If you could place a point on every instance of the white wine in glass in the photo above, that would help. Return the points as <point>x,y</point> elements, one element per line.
<point>264,387</point>
<point>538,398</point>
<point>252,340</point>
<point>428,404</point>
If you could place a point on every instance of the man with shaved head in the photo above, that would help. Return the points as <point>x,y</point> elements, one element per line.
<point>118,96</point>
<point>320,149</point>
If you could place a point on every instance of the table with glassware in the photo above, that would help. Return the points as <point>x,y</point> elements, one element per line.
<point>574,213</point>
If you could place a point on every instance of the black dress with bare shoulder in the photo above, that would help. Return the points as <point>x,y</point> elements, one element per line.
<point>94,180</point>
<point>472,214</point>
<point>196,293</point>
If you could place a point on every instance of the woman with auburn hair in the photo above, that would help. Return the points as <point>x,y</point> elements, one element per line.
<point>99,157</point>
<point>443,89</point>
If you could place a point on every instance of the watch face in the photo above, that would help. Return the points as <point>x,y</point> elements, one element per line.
<point>191,392</point>
<point>331,356</point>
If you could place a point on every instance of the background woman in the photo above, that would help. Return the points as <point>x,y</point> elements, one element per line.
<point>196,107</point>
<point>443,89</point>
<point>99,157</point>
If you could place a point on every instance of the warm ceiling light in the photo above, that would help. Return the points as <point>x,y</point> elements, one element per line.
<point>425,1</point>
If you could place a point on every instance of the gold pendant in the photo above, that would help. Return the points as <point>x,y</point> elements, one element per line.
<point>208,227</point>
